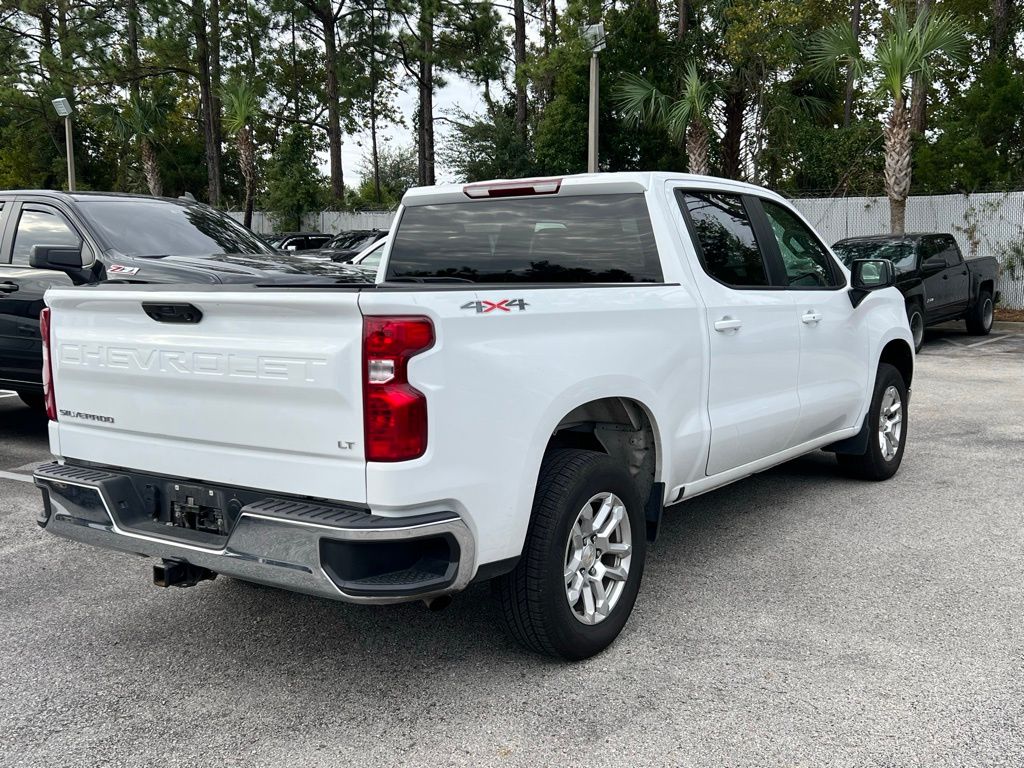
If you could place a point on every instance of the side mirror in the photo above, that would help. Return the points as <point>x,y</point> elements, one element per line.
<point>933,265</point>
<point>870,275</point>
<point>59,257</point>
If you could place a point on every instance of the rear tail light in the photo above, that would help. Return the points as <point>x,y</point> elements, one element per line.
<point>394,412</point>
<point>44,331</point>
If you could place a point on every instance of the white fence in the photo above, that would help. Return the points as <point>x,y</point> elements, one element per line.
<point>986,224</point>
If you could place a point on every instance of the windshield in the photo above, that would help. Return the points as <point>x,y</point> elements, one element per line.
<point>900,252</point>
<point>162,228</point>
<point>354,241</point>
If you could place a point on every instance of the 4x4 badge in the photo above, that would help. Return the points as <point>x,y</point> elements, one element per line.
<point>504,305</point>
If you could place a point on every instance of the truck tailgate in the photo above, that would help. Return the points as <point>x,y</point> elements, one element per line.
<point>263,392</point>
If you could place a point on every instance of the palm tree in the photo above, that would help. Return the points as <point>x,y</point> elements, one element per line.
<point>904,52</point>
<point>241,108</point>
<point>685,118</point>
<point>144,120</point>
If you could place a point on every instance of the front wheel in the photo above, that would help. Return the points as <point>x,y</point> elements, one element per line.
<point>887,429</point>
<point>980,316</point>
<point>577,580</point>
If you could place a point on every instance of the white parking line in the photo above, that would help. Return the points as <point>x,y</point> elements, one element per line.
<point>15,476</point>
<point>987,341</point>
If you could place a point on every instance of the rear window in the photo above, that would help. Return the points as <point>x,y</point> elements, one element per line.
<point>596,239</point>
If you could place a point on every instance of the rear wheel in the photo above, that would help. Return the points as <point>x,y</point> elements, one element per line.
<point>915,317</point>
<point>577,580</point>
<point>887,429</point>
<point>980,316</point>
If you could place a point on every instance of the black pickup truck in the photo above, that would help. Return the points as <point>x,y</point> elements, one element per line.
<point>939,284</point>
<point>57,238</point>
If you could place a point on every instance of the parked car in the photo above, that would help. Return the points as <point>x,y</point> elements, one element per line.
<point>369,257</point>
<point>931,272</point>
<point>113,237</point>
<point>544,365</point>
<point>299,241</point>
<point>345,246</point>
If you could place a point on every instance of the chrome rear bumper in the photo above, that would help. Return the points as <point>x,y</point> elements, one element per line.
<point>335,552</point>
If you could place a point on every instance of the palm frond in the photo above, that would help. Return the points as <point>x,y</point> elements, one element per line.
<point>833,48</point>
<point>695,103</point>
<point>640,102</point>
<point>241,105</point>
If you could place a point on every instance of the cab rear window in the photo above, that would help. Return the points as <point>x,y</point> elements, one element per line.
<point>579,239</point>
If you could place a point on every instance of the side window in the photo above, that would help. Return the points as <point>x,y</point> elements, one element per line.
<point>949,250</point>
<point>725,238</point>
<point>807,262</point>
<point>41,227</point>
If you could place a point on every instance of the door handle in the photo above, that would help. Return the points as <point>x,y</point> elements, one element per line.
<point>810,316</point>
<point>728,324</point>
<point>8,287</point>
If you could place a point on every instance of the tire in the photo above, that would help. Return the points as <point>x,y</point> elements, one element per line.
<point>979,317</point>
<point>876,463</point>
<point>915,318</point>
<point>34,400</point>
<point>534,597</point>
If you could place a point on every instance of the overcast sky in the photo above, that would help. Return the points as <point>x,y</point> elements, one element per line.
<point>457,92</point>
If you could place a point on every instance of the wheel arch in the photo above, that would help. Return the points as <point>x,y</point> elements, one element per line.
<point>899,355</point>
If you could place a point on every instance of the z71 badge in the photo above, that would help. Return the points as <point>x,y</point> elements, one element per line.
<point>504,305</point>
<point>121,269</point>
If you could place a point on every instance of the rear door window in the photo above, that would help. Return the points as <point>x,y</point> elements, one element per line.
<point>949,250</point>
<point>725,238</point>
<point>575,239</point>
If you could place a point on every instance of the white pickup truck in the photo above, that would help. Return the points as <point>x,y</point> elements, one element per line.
<point>538,369</point>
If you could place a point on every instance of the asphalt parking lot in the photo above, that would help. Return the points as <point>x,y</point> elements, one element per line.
<point>793,619</point>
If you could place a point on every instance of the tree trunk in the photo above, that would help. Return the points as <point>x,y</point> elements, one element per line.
<point>732,140</point>
<point>697,148</point>
<point>519,14</point>
<point>206,101</point>
<point>848,104</point>
<point>1000,42</point>
<point>897,164</point>
<point>919,91</point>
<point>426,88</point>
<point>150,167</point>
<point>333,107</point>
<point>215,88</point>
<point>247,161</point>
<point>682,7</point>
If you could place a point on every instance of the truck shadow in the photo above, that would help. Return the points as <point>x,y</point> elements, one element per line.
<point>293,641</point>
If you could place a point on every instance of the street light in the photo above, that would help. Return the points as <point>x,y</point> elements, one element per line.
<point>63,108</point>
<point>593,34</point>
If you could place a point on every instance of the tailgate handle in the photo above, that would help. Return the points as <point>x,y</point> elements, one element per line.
<point>172,313</point>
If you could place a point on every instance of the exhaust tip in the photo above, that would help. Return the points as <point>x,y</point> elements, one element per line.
<point>439,603</point>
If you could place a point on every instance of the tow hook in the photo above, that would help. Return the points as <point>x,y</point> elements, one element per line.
<point>179,573</point>
<point>438,603</point>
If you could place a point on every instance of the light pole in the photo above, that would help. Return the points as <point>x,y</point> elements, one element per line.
<point>63,108</point>
<point>593,34</point>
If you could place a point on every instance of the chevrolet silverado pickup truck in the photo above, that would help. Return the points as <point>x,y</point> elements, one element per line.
<point>933,276</point>
<point>537,369</point>
<point>105,236</point>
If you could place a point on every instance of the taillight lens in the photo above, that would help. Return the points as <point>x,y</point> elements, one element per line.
<point>44,331</point>
<point>394,412</point>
